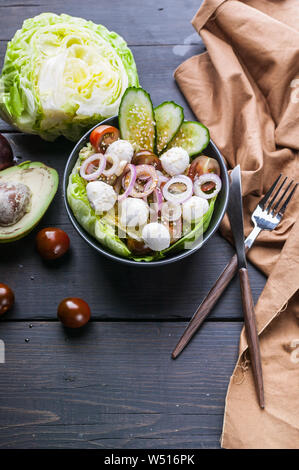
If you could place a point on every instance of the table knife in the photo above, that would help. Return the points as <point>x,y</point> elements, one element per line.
<point>235,214</point>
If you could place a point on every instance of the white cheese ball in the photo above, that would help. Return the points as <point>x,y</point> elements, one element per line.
<point>123,151</point>
<point>194,208</point>
<point>156,236</point>
<point>133,212</point>
<point>101,196</point>
<point>175,161</point>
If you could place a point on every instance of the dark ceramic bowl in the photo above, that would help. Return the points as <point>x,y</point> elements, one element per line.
<point>219,210</point>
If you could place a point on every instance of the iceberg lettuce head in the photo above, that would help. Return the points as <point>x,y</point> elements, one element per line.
<point>62,75</point>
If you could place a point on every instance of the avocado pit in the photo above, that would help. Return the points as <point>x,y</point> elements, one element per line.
<point>15,201</point>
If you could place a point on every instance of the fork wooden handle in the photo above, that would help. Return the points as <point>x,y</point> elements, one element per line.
<point>206,306</point>
<point>251,334</point>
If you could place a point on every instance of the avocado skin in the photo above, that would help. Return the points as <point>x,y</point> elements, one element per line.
<point>28,165</point>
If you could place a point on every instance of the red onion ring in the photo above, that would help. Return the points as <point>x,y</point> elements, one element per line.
<point>132,169</point>
<point>155,207</point>
<point>114,167</point>
<point>162,178</point>
<point>137,185</point>
<point>179,198</point>
<point>145,188</point>
<point>93,176</point>
<point>141,171</point>
<point>158,198</point>
<point>147,184</point>
<point>144,177</point>
<point>207,177</point>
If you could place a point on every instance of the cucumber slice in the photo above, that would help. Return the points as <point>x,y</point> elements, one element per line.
<point>169,117</point>
<point>193,136</point>
<point>136,119</point>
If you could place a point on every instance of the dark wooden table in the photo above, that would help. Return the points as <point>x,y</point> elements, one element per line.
<point>113,384</point>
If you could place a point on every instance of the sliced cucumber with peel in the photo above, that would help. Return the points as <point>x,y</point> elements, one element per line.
<point>192,136</point>
<point>136,119</point>
<point>169,117</point>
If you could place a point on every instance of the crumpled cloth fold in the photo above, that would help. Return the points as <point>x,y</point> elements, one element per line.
<point>245,89</point>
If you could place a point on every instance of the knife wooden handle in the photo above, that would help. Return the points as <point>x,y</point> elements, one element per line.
<point>252,336</point>
<point>206,306</point>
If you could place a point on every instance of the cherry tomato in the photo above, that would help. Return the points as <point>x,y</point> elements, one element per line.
<point>202,165</point>
<point>7,298</point>
<point>52,243</point>
<point>146,157</point>
<point>73,312</point>
<point>138,247</point>
<point>102,136</point>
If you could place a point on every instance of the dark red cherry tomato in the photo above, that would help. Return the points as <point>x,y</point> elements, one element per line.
<point>138,247</point>
<point>202,165</point>
<point>73,312</point>
<point>102,136</point>
<point>146,157</point>
<point>52,243</point>
<point>7,298</point>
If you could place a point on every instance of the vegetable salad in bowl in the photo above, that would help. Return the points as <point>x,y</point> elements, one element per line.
<point>143,188</point>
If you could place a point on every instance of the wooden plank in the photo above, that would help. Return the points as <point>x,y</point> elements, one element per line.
<point>149,23</point>
<point>113,385</point>
<point>153,432</point>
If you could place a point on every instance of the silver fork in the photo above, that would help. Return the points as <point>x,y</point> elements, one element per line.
<point>266,216</point>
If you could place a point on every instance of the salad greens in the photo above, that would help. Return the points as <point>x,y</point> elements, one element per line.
<point>92,223</point>
<point>62,75</point>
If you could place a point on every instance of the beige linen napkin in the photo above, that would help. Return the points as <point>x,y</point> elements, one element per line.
<point>245,88</point>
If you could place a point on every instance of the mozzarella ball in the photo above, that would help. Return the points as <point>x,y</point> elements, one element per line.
<point>101,196</point>
<point>123,150</point>
<point>156,236</point>
<point>175,161</point>
<point>133,212</point>
<point>194,208</point>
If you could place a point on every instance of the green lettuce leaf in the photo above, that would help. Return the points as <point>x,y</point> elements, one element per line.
<point>62,75</point>
<point>189,240</point>
<point>85,215</point>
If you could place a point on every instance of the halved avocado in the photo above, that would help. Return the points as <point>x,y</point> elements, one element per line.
<point>42,182</point>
